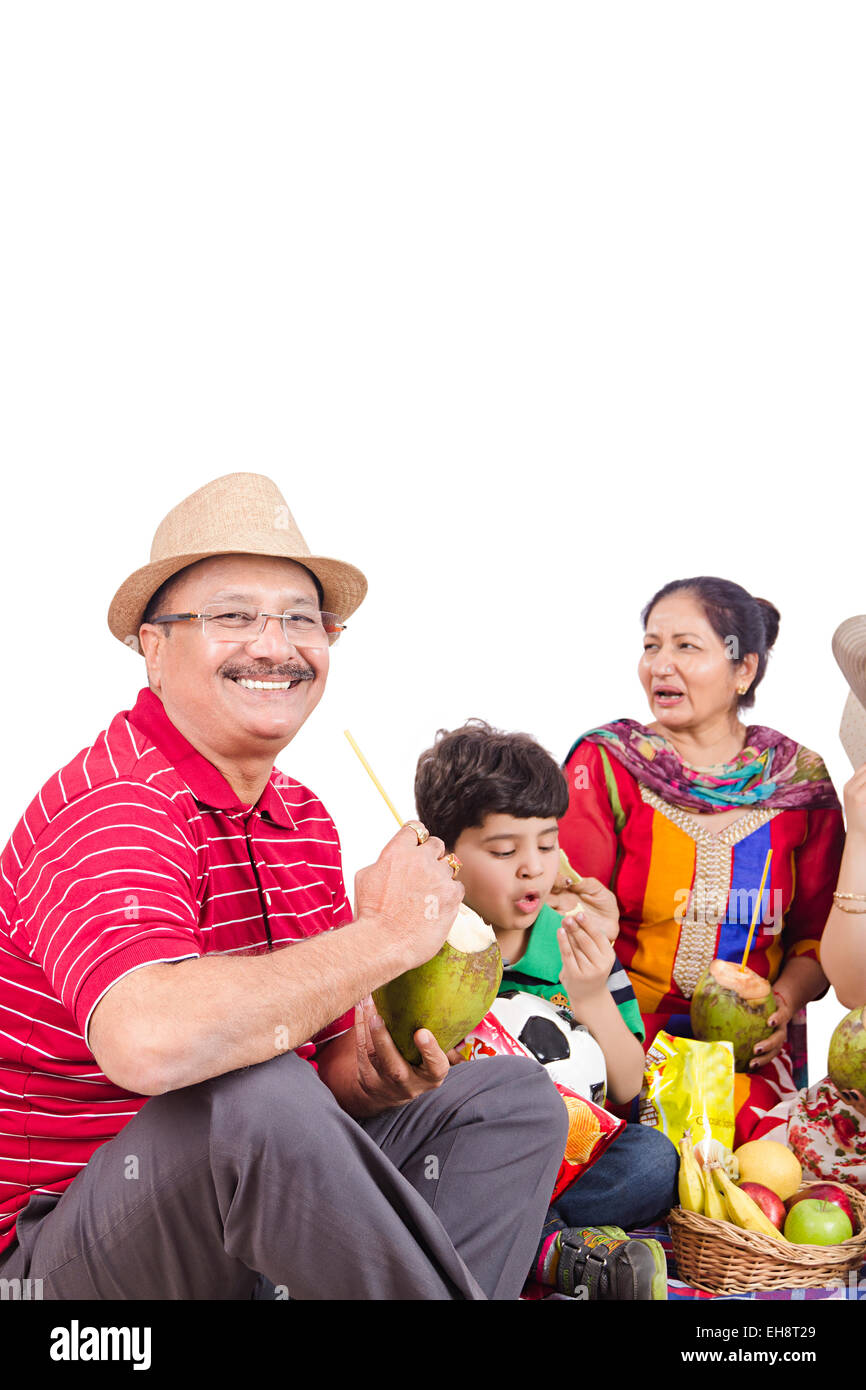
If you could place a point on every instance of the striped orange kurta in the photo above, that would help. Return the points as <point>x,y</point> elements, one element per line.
<point>686,896</point>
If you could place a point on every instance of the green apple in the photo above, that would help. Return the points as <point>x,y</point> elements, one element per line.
<point>811,1222</point>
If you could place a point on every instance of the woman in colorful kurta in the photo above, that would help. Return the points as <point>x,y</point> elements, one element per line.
<point>682,840</point>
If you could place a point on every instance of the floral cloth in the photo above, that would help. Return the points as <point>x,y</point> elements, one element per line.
<point>826,1133</point>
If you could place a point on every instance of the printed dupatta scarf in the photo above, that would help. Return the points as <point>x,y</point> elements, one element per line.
<point>770,770</point>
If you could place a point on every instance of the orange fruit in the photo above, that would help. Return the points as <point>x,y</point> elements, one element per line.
<point>771,1164</point>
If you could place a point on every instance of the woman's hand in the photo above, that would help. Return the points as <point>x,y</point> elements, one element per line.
<point>772,1045</point>
<point>854,796</point>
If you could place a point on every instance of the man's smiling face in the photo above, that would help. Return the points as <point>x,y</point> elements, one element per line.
<point>206,685</point>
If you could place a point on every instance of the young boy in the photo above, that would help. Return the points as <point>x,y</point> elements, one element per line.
<point>495,799</point>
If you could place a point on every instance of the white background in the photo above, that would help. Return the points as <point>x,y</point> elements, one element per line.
<point>527,308</point>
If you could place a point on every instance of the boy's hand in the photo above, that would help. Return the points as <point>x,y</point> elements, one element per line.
<point>587,960</point>
<point>597,907</point>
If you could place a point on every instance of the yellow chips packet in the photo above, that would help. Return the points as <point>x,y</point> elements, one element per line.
<point>689,1085</point>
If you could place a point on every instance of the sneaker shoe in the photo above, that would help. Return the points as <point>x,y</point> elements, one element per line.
<point>609,1266</point>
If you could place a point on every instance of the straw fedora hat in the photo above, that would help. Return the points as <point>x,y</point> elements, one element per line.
<point>849,649</point>
<point>238,514</point>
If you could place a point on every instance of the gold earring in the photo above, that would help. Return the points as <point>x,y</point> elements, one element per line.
<point>742,689</point>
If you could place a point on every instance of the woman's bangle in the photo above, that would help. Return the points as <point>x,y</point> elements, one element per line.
<point>840,899</point>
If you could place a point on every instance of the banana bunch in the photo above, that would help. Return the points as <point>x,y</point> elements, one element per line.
<point>690,1182</point>
<point>714,1202</point>
<point>697,1193</point>
<point>713,1150</point>
<point>739,1208</point>
<point>706,1188</point>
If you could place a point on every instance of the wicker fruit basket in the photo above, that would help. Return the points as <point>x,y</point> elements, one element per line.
<point>720,1258</point>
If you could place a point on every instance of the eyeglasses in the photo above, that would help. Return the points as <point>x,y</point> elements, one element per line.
<point>306,629</point>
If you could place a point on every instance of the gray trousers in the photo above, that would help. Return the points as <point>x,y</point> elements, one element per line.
<point>259,1171</point>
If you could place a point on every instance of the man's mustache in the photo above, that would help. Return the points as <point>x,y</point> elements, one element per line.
<point>274,673</point>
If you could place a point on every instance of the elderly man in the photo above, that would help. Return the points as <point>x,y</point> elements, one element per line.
<point>192,1097</point>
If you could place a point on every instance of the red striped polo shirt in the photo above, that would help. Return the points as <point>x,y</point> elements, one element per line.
<point>136,851</point>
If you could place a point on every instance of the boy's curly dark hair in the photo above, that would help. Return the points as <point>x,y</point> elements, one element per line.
<point>477,771</point>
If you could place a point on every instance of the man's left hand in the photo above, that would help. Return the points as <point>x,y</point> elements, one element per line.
<point>367,1072</point>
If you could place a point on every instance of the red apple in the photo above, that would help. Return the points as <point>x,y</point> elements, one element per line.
<point>825,1192</point>
<point>817,1223</point>
<point>772,1206</point>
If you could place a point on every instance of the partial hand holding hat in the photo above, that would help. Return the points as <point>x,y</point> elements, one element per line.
<point>849,649</point>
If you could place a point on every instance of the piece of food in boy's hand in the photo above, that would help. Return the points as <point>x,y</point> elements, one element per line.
<point>448,994</point>
<point>565,869</point>
<point>591,902</point>
<point>563,896</point>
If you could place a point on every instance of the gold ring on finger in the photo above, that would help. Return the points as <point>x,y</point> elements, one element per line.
<point>420,830</point>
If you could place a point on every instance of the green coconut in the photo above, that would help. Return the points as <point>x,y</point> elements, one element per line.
<point>732,1005</point>
<point>449,993</point>
<point>846,1055</point>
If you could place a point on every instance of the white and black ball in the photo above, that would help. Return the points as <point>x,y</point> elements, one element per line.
<point>552,1034</point>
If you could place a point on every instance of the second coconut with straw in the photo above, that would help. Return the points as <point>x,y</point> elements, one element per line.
<point>732,1003</point>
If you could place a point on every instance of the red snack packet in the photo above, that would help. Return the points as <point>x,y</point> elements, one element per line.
<point>590,1128</point>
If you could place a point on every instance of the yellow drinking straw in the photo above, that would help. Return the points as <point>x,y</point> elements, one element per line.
<point>565,867</point>
<point>374,778</point>
<point>757,911</point>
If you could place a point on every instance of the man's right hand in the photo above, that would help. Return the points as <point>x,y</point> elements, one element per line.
<point>411,895</point>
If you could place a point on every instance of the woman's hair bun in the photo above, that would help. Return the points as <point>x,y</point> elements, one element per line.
<point>744,623</point>
<point>771,618</point>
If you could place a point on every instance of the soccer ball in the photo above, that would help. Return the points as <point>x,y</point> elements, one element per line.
<point>552,1034</point>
